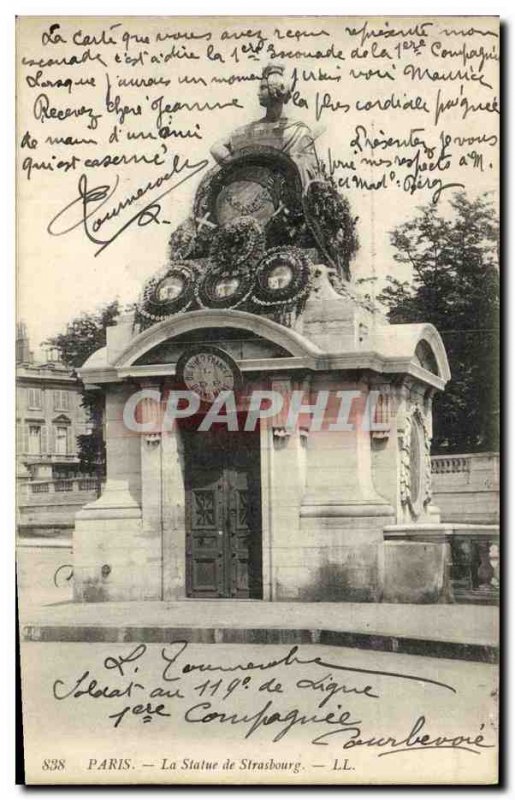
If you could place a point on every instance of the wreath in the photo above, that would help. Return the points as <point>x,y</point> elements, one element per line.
<point>239,245</point>
<point>297,262</point>
<point>207,296</point>
<point>182,240</point>
<point>329,216</point>
<point>155,306</point>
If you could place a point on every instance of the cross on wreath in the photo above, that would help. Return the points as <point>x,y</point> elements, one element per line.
<point>282,207</point>
<point>278,210</point>
<point>204,221</point>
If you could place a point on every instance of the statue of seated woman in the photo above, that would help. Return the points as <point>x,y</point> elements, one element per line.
<point>274,130</point>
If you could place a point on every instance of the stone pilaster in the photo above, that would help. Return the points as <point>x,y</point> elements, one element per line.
<point>173,516</point>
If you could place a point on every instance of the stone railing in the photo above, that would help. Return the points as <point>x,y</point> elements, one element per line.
<point>44,458</point>
<point>475,566</point>
<point>48,507</point>
<point>449,464</point>
<point>58,485</point>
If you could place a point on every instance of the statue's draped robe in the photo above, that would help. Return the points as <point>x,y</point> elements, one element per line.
<point>288,136</point>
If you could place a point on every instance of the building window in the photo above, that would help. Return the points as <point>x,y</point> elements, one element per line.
<point>35,398</point>
<point>61,440</point>
<point>61,400</point>
<point>35,440</point>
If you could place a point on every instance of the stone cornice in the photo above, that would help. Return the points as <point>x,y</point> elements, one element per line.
<point>325,362</point>
<point>391,349</point>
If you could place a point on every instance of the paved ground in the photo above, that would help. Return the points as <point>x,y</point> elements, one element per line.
<point>460,632</point>
<point>61,640</point>
<point>37,562</point>
<point>47,614</point>
<point>474,624</point>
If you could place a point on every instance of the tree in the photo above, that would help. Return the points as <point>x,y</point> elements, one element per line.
<point>455,286</point>
<point>83,336</point>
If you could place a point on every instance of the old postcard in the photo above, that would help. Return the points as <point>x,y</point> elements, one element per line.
<point>257,399</point>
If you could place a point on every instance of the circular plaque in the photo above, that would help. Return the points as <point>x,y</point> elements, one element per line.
<point>244,198</point>
<point>257,182</point>
<point>207,371</point>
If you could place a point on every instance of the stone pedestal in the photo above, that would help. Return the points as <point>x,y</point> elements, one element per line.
<point>415,572</point>
<point>327,495</point>
<point>113,559</point>
<point>108,551</point>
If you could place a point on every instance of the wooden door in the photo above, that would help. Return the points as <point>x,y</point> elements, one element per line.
<point>223,514</point>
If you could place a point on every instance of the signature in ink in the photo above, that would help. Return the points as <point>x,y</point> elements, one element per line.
<point>176,649</point>
<point>83,209</point>
<point>341,724</point>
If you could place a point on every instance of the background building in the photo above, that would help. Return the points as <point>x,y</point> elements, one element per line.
<point>49,419</point>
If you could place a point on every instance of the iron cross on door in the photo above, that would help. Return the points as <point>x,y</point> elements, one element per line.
<point>223,514</point>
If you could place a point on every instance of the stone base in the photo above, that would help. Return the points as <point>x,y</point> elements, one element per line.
<point>418,560</point>
<point>414,572</point>
<point>112,558</point>
<point>336,558</point>
<point>113,561</point>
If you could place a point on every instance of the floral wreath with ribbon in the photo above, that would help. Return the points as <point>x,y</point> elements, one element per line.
<point>300,266</point>
<point>155,308</point>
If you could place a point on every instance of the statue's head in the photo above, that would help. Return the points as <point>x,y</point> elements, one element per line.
<point>274,87</point>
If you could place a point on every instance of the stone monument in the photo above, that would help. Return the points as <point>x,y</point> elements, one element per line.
<point>257,295</point>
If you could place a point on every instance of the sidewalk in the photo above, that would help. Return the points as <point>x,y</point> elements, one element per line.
<point>467,632</point>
